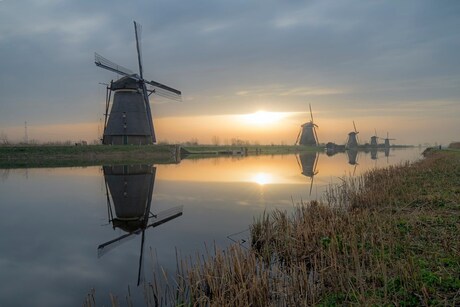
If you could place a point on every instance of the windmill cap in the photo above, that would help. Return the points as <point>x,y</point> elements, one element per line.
<point>125,83</point>
<point>309,124</point>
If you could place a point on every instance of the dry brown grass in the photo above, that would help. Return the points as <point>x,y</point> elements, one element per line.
<point>389,237</point>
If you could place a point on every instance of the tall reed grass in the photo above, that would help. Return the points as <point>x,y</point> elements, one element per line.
<point>388,237</point>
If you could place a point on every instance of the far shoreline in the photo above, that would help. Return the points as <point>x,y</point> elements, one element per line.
<point>36,156</point>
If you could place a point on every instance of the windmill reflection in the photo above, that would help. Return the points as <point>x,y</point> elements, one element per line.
<point>387,151</point>
<point>374,155</point>
<point>308,162</point>
<point>130,187</point>
<point>352,156</point>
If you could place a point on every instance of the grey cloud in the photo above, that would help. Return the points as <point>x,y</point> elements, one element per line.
<point>214,49</point>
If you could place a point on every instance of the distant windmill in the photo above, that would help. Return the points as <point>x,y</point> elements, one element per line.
<point>307,135</point>
<point>352,141</point>
<point>374,139</point>
<point>130,188</point>
<point>387,141</point>
<point>130,120</point>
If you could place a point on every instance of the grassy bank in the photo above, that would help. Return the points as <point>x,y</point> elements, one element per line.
<point>389,237</point>
<point>252,149</point>
<point>58,156</point>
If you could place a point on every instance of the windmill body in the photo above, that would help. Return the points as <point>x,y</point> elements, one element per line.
<point>352,141</point>
<point>387,141</point>
<point>307,135</point>
<point>130,121</point>
<point>374,141</point>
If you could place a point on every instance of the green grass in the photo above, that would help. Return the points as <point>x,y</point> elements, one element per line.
<point>262,149</point>
<point>57,156</point>
<point>61,156</point>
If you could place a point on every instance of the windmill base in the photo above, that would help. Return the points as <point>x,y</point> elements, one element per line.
<point>127,140</point>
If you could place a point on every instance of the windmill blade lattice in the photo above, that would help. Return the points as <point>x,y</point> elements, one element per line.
<point>100,61</point>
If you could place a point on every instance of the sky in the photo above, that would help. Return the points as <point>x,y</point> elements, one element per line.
<point>247,69</point>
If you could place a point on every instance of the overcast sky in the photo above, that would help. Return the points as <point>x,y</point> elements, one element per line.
<point>389,65</point>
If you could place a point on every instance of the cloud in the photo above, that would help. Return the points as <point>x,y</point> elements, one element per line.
<point>285,91</point>
<point>227,55</point>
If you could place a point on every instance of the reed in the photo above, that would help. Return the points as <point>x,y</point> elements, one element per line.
<point>389,237</point>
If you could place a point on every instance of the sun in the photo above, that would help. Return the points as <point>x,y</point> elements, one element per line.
<point>263,118</point>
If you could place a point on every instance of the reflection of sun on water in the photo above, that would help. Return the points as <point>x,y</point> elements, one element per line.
<point>262,178</point>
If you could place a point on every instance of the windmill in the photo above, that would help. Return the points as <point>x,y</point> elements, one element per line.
<point>307,135</point>
<point>352,141</point>
<point>374,139</point>
<point>130,120</point>
<point>131,188</point>
<point>307,162</point>
<point>387,141</point>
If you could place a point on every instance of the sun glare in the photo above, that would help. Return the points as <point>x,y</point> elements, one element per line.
<point>263,118</point>
<point>262,178</point>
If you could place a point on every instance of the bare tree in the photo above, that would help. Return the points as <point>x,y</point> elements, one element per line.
<point>4,139</point>
<point>215,140</point>
<point>192,142</point>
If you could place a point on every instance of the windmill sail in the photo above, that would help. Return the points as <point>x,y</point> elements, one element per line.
<point>137,32</point>
<point>100,61</point>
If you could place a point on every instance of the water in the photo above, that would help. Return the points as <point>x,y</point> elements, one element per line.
<point>54,219</point>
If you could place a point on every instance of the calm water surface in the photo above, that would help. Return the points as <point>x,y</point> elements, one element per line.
<point>65,231</point>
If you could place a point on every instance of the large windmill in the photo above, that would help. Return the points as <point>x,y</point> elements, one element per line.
<point>130,120</point>
<point>352,141</point>
<point>387,141</point>
<point>129,191</point>
<point>307,135</point>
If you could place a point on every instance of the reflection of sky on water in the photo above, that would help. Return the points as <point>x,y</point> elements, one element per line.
<point>53,219</point>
